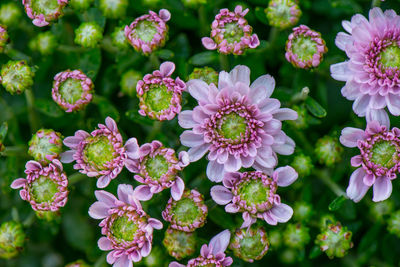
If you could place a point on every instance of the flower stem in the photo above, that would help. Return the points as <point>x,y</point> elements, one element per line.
<point>273,34</point>
<point>203,20</point>
<point>323,175</point>
<point>155,62</point>
<point>33,118</point>
<point>75,178</point>
<point>156,129</point>
<point>224,62</point>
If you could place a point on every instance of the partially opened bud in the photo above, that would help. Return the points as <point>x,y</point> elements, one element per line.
<point>43,12</point>
<point>250,244</point>
<point>283,14</point>
<point>328,150</point>
<point>207,74</point>
<point>45,146</point>
<point>335,240</point>
<point>16,76</point>
<point>179,244</point>
<point>88,35</point>
<point>12,238</point>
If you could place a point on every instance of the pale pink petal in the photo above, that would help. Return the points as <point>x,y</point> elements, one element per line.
<point>341,71</point>
<point>281,212</point>
<point>350,136</point>
<point>190,139</point>
<point>176,264</point>
<point>199,90</point>
<point>146,249</point>
<point>177,189</point>
<point>285,114</point>
<point>105,197</point>
<point>110,123</point>
<point>98,210</point>
<point>221,195</point>
<point>240,73</point>
<point>123,261</point>
<point>220,242</point>
<point>208,43</point>
<point>393,104</point>
<point>361,105</point>
<point>103,181</point>
<point>67,156</point>
<point>17,183</point>
<point>156,224</point>
<point>33,165</point>
<point>382,189</point>
<point>197,152</point>
<point>104,243</point>
<point>357,189</point>
<point>215,171</point>
<point>167,68</point>
<point>379,115</point>
<point>142,192</point>
<point>185,119</point>
<point>164,14</point>
<point>285,175</point>
<point>232,208</point>
<point>262,88</point>
<point>132,148</point>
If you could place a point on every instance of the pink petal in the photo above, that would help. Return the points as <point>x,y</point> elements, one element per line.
<point>361,105</point>
<point>199,90</point>
<point>177,189</point>
<point>350,136</point>
<point>190,139</point>
<point>382,189</point>
<point>33,165</point>
<point>393,104</point>
<point>285,176</point>
<point>167,68</point>
<point>270,219</point>
<point>220,242</point>
<point>232,164</point>
<point>197,152</point>
<point>215,171</point>
<point>98,210</point>
<point>146,249</point>
<point>132,148</point>
<point>262,88</point>
<point>231,208</point>
<point>285,114</point>
<point>143,193</point>
<point>164,14</point>
<point>110,123</point>
<point>221,195</point>
<point>104,243</point>
<point>185,119</point>
<point>17,183</point>
<point>369,179</point>
<point>341,72</point>
<point>379,115</point>
<point>241,74</point>
<point>126,193</point>
<point>357,189</point>
<point>123,261</point>
<point>208,43</point>
<point>103,181</point>
<point>176,264</point>
<point>184,158</point>
<point>205,251</point>
<point>105,197</point>
<point>156,224</point>
<point>281,212</point>
<point>67,156</point>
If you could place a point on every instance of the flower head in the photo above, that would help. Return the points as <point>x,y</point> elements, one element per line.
<point>188,213</point>
<point>328,150</point>
<point>45,188</point>
<point>127,229</point>
<point>101,153</point>
<point>305,48</point>
<point>113,8</point>
<point>88,34</point>
<point>3,37</point>
<point>207,74</point>
<point>10,13</point>
<point>42,12</point>
<point>283,14</point>
<point>12,238</point>
<point>179,244</point>
<point>372,73</point>
<point>212,254</point>
<point>160,95</point>
<point>72,90</point>
<point>148,32</point>
<point>254,195</point>
<point>335,240</point>
<point>240,125</point>
<point>230,33</point>
<point>157,167</point>
<point>16,76</point>
<point>45,146</point>
<point>378,162</point>
<point>250,244</point>
<point>129,81</point>
<point>45,43</point>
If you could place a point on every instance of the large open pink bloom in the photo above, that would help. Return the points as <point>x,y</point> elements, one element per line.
<point>254,195</point>
<point>212,254</point>
<point>378,161</point>
<point>237,123</point>
<point>101,153</point>
<point>127,228</point>
<point>372,73</point>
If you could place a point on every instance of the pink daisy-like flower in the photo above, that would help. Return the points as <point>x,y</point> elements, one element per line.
<point>372,73</point>
<point>72,90</point>
<point>188,213</point>
<point>101,153</point>
<point>230,33</point>
<point>45,188</point>
<point>157,167</point>
<point>160,95</point>
<point>254,194</point>
<point>305,47</point>
<point>212,254</point>
<point>378,162</point>
<point>238,123</point>
<point>127,228</point>
<point>148,32</point>
<point>43,12</point>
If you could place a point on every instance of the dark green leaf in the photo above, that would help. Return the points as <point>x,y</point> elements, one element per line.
<point>165,54</point>
<point>204,58</point>
<point>315,252</point>
<point>90,62</point>
<point>3,130</point>
<point>48,107</point>
<point>260,15</point>
<point>337,203</point>
<point>315,108</point>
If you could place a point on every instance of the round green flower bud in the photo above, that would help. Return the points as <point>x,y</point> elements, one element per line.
<point>303,117</point>
<point>45,146</point>
<point>12,238</point>
<point>328,150</point>
<point>89,34</point>
<point>289,256</point>
<point>78,263</point>
<point>207,74</point>
<point>179,244</point>
<point>10,14</point>
<point>302,164</point>
<point>379,209</point>
<point>296,235</point>
<point>394,223</point>
<point>118,38</point>
<point>302,211</point>
<point>45,43</point>
<point>275,238</point>
<point>335,240</point>
<point>80,4</point>
<point>283,14</point>
<point>193,3</point>
<point>250,244</point>
<point>128,82</point>
<point>16,76</point>
<point>113,9</point>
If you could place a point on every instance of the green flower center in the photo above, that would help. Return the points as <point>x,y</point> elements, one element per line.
<point>390,57</point>
<point>43,189</point>
<point>233,126</point>
<point>145,30</point>
<point>186,211</point>
<point>45,7</point>
<point>98,151</point>
<point>233,33</point>
<point>251,246</point>
<point>71,90</point>
<point>124,229</point>
<point>384,154</point>
<point>156,166</point>
<point>41,147</point>
<point>158,98</point>
<point>254,192</point>
<point>304,47</point>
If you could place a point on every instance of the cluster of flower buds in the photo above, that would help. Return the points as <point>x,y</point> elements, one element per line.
<point>12,239</point>
<point>283,14</point>
<point>42,13</point>
<point>335,240</point>
<point>16,76</point>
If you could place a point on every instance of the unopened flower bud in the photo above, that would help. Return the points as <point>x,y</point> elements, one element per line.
<point>113,8</point>
<point>302,164</point>
<point>207,74</point>
<point>16,76</point>
<point>179,244</point>
<point>12,238</point>
<point>275,238</point>
<point>250,244</point>
<point>155,259</point>
<point>45,43</point>
<point>45,146</point>
<point>283,14</point>
<point>10,13</point>
<point>128,82</point>
<point>302,211</point>
<point>118,38</point>
<point>328,150</point>
<point>296,236</point>
<point>303,119</point>
<point>88,35</point>
<point>379,209</point>
<point>80,4</point>
<point>3,37</point>
<point>335,240</point>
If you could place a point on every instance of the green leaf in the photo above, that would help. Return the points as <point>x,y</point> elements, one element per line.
<point>48,107</point>
<point>134,116</point>
<point>315,252</point>
<point>203,58</point>
<point>165,54</point>
<point>106,108</point>
<point>337,203</point>
<point>216,214</point>
<point>260,15</point>
<point>315,108</point>
<point>3,131</point>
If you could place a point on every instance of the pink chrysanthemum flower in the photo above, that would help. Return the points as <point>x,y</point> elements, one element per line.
<point>212,254</point>
<point>372,73</point>
<point>240,125</point>
<point>72,90</point>
<point>45,188</point>
<point>157,167</point>
<point>188,213</point>
<point>43,12</point>
<point>160,95</point>
<point>378,162</point>
<point>148,32</point>
<point>254,194</point>
<point>101,153</point>
<point>127,228</point>
<point>305,48</point>
<point>230,33</point>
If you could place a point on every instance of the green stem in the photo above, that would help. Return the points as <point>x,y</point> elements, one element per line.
<point>156,129</point>
<point>273,34</point>
<point>75,178</point>
<point>303,140</point>
<point>375,3</point>
<point>224,62</point>
<point>14,151</point>
<point>33,118</point>
<point>323,175</point>
<point>203,20</point>
<point>155,62</point>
